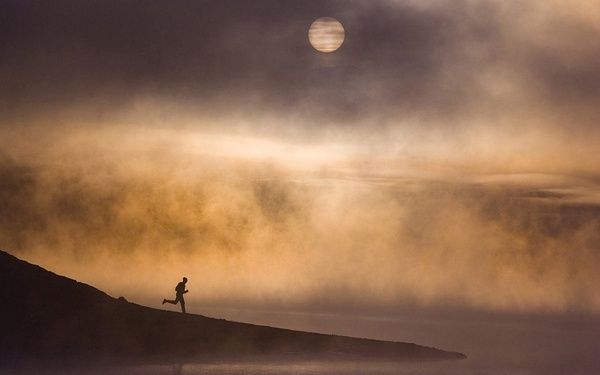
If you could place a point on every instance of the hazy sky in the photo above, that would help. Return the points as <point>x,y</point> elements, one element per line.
<point>446,156</point>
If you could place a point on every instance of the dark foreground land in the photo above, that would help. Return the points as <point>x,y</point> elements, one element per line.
<point>47,318</point>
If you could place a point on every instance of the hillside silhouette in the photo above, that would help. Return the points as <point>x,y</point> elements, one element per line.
<point>47,318</point>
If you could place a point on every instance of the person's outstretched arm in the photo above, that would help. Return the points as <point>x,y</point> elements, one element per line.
<point>185,291</point>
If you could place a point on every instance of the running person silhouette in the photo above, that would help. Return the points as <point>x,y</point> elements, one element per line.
<point>180,289</point>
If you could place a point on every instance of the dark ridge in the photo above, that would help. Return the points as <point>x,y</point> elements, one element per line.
<point>50,319</point>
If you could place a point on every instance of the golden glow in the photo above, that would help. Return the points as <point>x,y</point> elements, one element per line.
<point>257,220</point>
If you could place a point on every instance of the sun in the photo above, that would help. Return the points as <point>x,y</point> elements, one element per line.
<point>326,34</point>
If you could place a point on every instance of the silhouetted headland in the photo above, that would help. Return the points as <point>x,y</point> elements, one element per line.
<point>47,318</point>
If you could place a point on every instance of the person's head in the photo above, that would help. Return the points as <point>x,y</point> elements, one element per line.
<point>185,279</point>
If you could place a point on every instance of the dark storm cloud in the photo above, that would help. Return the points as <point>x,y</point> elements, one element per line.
<point>239,54</point>
<point>432,62</point>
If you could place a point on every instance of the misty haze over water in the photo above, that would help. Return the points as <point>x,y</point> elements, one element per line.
<point>508,345</point>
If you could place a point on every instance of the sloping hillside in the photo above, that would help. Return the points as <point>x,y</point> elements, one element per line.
<point>45,317</point>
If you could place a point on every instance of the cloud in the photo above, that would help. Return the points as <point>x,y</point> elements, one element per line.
<point>250,231</point>
<point>449,63</point>
<point>445,155</point>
